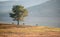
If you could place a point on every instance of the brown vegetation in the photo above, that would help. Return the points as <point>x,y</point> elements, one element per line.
<point>9,30</point>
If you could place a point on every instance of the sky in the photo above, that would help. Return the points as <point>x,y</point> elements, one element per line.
<point>41,12</point>
<point>26,3</point>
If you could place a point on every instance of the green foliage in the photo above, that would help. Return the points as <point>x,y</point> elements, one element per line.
<point>19,12</point>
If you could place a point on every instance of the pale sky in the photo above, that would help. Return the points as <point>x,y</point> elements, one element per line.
<point>42,12</point>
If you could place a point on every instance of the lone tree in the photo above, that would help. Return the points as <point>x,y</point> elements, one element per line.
<point>18,13</point>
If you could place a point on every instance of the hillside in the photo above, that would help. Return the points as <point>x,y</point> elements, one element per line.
<point>47,9</point>
<point>28,31</point>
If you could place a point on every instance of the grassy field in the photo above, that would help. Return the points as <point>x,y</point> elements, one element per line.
<point>9,30</point>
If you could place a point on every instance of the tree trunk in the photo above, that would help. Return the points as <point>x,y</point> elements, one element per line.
<point>18,22</point>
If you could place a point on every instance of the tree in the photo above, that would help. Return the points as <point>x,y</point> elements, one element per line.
<point>18,13</point>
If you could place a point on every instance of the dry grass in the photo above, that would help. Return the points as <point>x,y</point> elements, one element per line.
<point>28,31</point>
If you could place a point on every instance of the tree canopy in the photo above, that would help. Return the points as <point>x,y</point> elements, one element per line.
<point>18,13</point>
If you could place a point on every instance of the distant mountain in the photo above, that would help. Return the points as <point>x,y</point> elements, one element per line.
<point>48,9</point>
